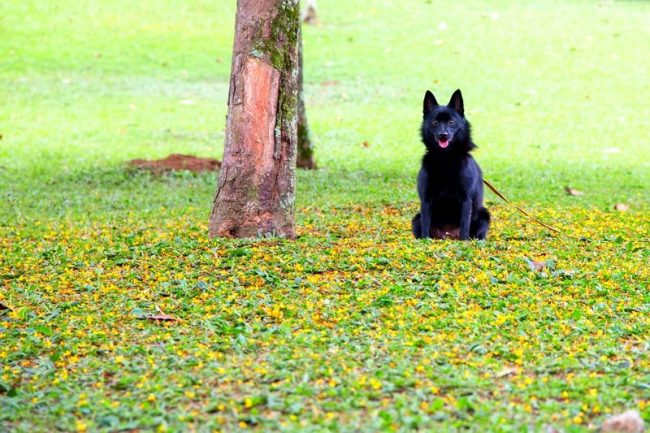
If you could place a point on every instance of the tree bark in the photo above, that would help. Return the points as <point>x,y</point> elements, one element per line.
<point>256,189</point>
<point>305,147</point>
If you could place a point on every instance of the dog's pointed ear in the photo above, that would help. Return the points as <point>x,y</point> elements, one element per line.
<point>456,102</point>
<point>429,102</point>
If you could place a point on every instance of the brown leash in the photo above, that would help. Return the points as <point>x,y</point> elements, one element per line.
<point>496,191</point>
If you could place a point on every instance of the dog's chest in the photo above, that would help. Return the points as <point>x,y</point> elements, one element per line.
<point>444,185</point>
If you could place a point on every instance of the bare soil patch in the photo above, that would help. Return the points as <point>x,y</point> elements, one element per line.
<point>176,162</point>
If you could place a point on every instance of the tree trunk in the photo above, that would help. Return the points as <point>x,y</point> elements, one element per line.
<point>256,189</point>
<point>305,148</point>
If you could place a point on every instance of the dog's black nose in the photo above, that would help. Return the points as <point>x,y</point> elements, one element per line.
<point>443,137</point>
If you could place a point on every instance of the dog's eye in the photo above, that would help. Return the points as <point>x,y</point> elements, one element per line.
<point>452,122</point>
<point>434,123</point>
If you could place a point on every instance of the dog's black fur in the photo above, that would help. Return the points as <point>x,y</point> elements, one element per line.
<point>450,182</point>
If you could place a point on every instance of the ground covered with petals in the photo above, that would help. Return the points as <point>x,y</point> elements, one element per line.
<point>355,324</point>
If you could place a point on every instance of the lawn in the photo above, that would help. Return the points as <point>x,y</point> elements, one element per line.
<point>355,326</point>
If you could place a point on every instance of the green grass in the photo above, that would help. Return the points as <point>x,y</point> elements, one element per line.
<point>355,326</point>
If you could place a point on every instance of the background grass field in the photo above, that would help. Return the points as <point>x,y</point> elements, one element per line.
<point>355,326</point>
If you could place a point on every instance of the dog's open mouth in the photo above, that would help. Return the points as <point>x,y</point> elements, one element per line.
<point>443,144</point>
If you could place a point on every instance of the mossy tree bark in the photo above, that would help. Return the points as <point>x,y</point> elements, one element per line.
<point>305,147</point>
<point>256,189</point>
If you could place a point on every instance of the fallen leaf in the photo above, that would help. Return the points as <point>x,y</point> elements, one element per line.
<point>628,422</point>
<point>535,265</point>
<point>622,207</point>
<point>159,317</point>
<point>506,372</point>
<point>365,144</point>
<point>573,192</point>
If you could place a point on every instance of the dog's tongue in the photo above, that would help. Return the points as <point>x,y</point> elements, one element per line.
<point>443,144</point>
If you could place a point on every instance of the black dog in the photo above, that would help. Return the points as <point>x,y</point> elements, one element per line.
<point>450,183</point>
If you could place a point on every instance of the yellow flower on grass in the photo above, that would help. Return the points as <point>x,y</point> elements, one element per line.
<point>375,384</point>
<point>81,426</point>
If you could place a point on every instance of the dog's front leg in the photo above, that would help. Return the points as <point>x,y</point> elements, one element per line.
<point>465,219</point>
<point>425,212</point>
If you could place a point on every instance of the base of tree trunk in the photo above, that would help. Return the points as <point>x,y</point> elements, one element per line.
<point>307,165</point>
<point>256,190</point>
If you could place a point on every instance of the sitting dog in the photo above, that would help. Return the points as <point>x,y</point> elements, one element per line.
<point>450,183</point>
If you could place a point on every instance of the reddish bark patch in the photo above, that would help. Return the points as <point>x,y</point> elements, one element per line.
<point>176,162</point>
<point>261,87</point>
